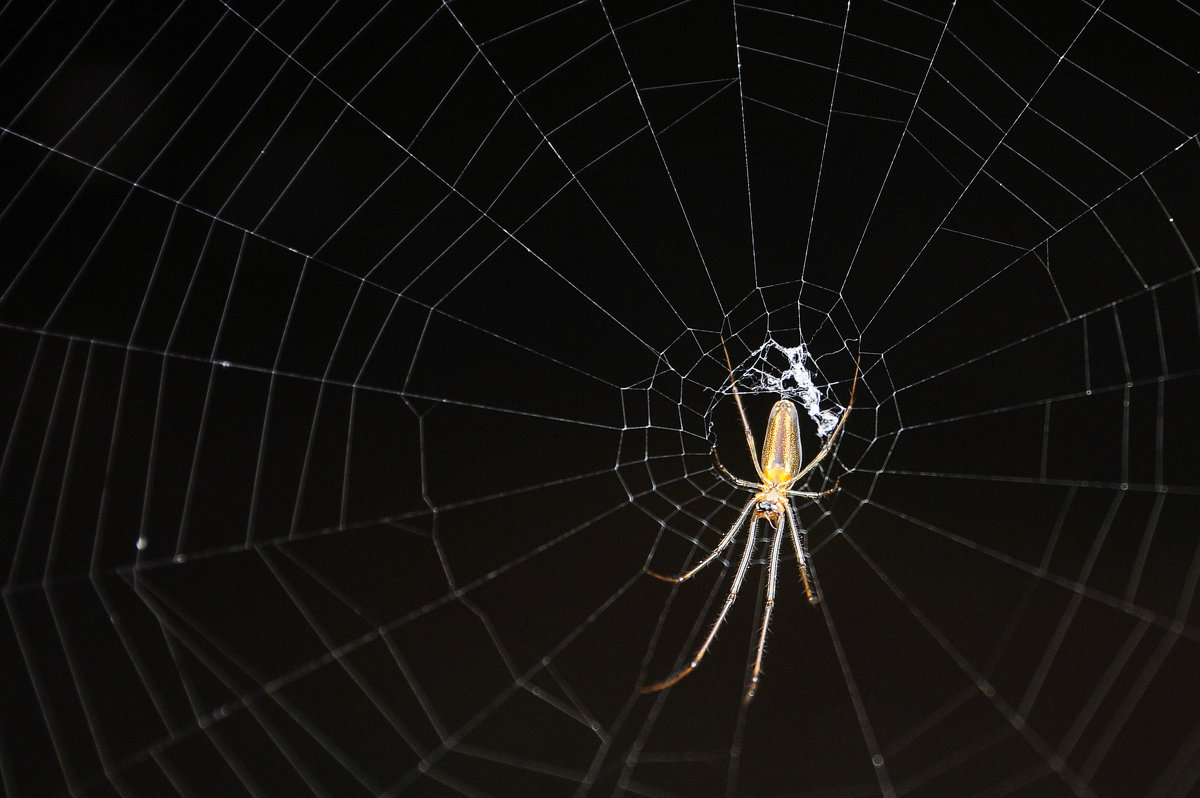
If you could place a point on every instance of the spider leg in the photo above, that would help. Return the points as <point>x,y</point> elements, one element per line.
<point>737,480</point>
<point>768,603</point>
<point>833,436</point>
<point>742,412</point>
<point>732,597</point>
<point>811,494</point>
<point>715,552</point>
<point>801,556</point>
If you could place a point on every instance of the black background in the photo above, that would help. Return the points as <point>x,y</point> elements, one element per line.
<point>356,363</point>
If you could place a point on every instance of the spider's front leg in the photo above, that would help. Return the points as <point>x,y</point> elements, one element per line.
<point>768,605</point>
<point>801,555</point>
<point>729,600</point>
<point>725,541</point>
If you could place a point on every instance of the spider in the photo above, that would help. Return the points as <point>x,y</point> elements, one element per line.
<point>778,470</point>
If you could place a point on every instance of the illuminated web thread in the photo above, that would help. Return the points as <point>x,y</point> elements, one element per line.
<point>794,382</point>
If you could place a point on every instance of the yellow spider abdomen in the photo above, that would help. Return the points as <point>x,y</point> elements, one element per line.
<point>781,448</point>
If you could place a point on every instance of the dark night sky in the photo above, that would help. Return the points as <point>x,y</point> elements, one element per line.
<point>356,363</point>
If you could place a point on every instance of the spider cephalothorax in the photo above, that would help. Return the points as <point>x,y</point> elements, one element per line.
<point>769,505</point>
<point>778,470</point>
